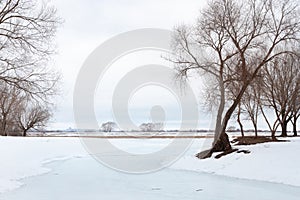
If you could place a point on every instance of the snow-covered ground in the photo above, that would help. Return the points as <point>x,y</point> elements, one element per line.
<point>25,157</point>
<point>22,158</point>
<point>274,162</point>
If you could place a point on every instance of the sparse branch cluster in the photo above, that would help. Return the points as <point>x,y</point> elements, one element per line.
<point>27,29</point>
<point>275,92</point>
<point>19,114</point>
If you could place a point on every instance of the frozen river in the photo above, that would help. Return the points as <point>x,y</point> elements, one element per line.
<point>84,178</point>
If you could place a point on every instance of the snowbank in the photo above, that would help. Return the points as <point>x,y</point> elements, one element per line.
<point>273,162</point>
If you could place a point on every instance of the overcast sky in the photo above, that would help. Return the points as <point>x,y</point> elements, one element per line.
<point>87,24</point>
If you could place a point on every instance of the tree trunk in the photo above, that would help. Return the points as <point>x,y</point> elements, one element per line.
<point>222,144</point>
<point>3,126</point>
<point>295,126</point>
<point>239,121</point>
<point>284,129</point>
<point>273,132</point>
<point>221,141</point>
<point>255,129</point>
<point>24,133</point>
<point>241,127</point>
<point>3,132</point>
<point>220,110</point>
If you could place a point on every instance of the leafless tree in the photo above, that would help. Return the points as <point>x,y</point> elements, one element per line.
<point>31,116</point>
<point>273,126</point>
<point>238,114</point>
<point>148,127</point>
<point>20,113</point>
<point>232,41</point>
<point>296,100</point>
<point>27,28</point>
<point>281,88</point>
<point>108,126</point>
<point>296,113</point>
<point>9,100</point>
<point>251,101</point>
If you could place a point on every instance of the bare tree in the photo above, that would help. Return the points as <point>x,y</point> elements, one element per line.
<point>108,126</point>
<point>296,113</point>
<point>251,101</point>
<point>148,127</point>
<point>31,116</point>
<point>9,100</point>
<point>239,113</point>
<point>232,41</point>
<point>272,126</point>
<point>296,100</point>
<point>249,104</point>
<point>281,88</point>
<point>20,113</point>
<point>27,29</point>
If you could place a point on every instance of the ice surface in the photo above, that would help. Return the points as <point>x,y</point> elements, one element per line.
<point>68,171</point>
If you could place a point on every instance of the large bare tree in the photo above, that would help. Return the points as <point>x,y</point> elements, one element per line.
<point>232,41</point>
<point>27,28</point>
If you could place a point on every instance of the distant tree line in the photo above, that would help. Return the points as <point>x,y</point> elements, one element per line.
<point>144,127</point>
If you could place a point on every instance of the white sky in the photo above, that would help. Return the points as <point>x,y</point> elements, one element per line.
<point>88,23</point>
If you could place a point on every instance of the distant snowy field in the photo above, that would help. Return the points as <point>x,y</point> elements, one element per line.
<point>136,134</point>
<point>22,158</point>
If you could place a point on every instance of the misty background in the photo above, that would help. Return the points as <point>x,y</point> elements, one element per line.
<point>88,24</point>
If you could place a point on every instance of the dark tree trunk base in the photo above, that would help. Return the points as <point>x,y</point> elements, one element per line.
<point>222,144</point>
<point>283,135</point>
